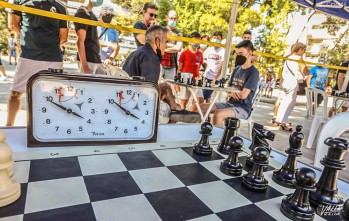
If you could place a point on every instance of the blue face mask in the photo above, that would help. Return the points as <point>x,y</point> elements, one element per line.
<point>96,3</point>
<point>203,46</point>
<point>172,23</point>
<point>215,40</point>
<point>321,62</point>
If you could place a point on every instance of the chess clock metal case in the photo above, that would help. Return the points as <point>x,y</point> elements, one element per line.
<point>69,110</point>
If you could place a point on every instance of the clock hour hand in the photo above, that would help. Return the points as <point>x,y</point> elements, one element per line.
<point>69,111</point>
<point>127,112</point>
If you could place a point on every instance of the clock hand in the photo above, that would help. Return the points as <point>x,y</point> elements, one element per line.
<point>69,111</point>
<point>127,112</point>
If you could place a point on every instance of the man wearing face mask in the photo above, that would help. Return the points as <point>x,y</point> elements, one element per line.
<point>214,57</point>
<point>169,60</point>
<point>89,60</point>
<point>245,77</point>
<point>149,19</point>
<point>190,61</point>
<point>146,60</point>
<point>108,37</point>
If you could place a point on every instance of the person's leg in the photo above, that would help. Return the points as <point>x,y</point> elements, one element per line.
<point>204,108</point>
<point>193,105</point>
<point>9,57</point>
<point>286,106</point>
<point>221,114</point>
<point>13,106</point>
<point>2,69</point>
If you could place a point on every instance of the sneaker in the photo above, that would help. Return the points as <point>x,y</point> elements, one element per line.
<point>185,116</point>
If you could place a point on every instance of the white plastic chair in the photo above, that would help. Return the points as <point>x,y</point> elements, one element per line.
<point>319,118</point>
<point>249,121</point>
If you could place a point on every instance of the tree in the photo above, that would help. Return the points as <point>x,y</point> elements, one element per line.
<point>273,32</point>
<point>4,31</point>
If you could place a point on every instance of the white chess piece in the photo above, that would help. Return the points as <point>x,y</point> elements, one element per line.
<point>10,190</point>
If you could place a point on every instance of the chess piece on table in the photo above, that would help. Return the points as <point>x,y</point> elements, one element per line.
<point>297,206</point>
<point>326,197</point>
<point>231,165</point>
<point>254,180</point>
<point>345,211</point>
<point>259,138</point>
<point>286,173</point>
<point>204,147</point>
<point>10,190</point>
<point>231,126</point>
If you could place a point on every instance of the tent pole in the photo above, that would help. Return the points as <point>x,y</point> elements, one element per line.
<point>232,21</point>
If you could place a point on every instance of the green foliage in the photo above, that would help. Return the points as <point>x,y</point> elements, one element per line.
<point>4,31</point>
<point>273,32</point>
<point>164,7</point>
<point>340,52</point>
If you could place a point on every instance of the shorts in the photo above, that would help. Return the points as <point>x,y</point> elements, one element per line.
<point>96,68</point>
<point>240,113</point>
<point>185,93</point>
<point>168,73</point>
<point>27,68</point>
<point>208,93</point>
<point>13,52</point>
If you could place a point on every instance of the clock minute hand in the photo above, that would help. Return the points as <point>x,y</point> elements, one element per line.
<point>127,112</point>
<point>69,111</point>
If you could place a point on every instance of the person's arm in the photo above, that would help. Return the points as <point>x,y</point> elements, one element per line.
<point>218,73</point>
<point>81,33</point>
<point>309,79</point>
<point>14,22</point>
<point>63,35</point>
<point>174,48</point>
<point>250,84</point>
<point>180,66</point>
<point>141,38</point>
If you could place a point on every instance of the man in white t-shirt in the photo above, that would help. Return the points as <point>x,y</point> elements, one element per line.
<point>213,56</point>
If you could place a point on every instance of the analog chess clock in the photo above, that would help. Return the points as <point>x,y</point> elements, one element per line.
<point>66,110</point>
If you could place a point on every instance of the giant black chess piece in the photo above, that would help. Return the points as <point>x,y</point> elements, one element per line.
<point>259,138</point>
<point>326,199</point>
<point>204,147</point>
<point>254,180</point>
<point>345,211</point>
<point>231,125</point>
<point>286,173</point>
<point>231,165</point>
<point>297,206</point>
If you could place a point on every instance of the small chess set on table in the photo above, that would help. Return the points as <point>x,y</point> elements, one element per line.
<point>218,179</point>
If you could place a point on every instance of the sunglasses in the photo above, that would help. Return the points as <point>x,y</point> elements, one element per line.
<point>153,15</point>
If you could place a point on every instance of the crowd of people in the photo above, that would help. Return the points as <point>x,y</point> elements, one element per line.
<point>158,58</point>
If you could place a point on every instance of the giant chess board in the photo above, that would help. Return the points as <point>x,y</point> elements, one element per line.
<point>161,181</point>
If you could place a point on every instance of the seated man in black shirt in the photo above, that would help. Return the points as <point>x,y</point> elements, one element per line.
<point>146,60</point>
<point>149,16</point>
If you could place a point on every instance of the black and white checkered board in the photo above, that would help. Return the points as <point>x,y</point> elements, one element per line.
<point>158,184</point>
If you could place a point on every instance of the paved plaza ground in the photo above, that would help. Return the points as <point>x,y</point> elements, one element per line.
<point>262,115</point>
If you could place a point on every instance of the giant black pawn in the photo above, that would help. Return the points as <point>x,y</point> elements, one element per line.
<point>231,165</point>
<point>231,126</point>
<point>254,180</point>
<point>345,211</point>
<point>204,147</point>
<point>286,173</point>
<point>326,197</point>
<point>297,206</point>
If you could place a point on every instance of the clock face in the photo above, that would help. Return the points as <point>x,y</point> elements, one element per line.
<point>64,110</point>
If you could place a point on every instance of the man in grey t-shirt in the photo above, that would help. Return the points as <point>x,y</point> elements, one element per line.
<point>245,77</point>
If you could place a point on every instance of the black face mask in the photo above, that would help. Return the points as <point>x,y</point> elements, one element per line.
<point>107,18</point>
<point>240,60</point>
